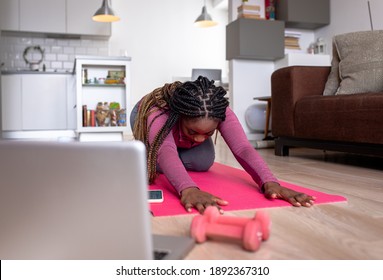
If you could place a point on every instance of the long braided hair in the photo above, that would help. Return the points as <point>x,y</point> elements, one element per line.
<point>194,99</point>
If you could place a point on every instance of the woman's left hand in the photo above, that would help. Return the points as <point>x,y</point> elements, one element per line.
<point>274,190</point>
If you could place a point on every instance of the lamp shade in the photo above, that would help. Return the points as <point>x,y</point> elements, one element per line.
<point>204,20</point>
<point>105,13</point>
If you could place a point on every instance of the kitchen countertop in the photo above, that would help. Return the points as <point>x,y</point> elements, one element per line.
<point>26,71</point>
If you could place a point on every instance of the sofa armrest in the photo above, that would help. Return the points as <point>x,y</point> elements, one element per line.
<point>288,85</point>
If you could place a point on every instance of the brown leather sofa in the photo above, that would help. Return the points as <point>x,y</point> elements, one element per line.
<point>303,117</point>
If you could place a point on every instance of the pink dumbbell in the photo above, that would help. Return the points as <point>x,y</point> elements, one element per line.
<point>245,230</point>
<point>215,217</point>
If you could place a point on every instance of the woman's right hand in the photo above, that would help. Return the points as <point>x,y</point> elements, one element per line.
<point>195,198</point>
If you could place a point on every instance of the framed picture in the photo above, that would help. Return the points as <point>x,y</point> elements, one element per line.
<point>116,74</point>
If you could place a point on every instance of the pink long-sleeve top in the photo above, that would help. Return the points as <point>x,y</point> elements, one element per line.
<point>233,134</point>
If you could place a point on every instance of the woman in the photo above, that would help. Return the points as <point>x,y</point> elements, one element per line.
<point>176,123</point>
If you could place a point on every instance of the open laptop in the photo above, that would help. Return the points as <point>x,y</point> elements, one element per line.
<point>72,200</point>
<point>211,74</point>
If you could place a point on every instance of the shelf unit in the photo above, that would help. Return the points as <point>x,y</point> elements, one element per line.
<point>255,39</point>
<point>303,14</point>
<point>90,94</point>
<point>259,39</point>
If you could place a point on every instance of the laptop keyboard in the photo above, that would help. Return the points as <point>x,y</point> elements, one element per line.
<point>159,255</point>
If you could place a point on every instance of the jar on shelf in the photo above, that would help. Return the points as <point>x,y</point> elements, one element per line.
<point>320,46</point>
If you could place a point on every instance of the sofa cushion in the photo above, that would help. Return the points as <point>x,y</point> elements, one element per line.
<point>358,62</point>
<point>352,118</point>
<point>333,80</point>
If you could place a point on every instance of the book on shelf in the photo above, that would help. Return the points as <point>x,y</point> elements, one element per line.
<point>88,117</point>
<point>252,9</point>
<point>293,47</point>
<point>84,115</point>
<point>292,40</point>
<point>291,43</point>
<point>249,8</point>
<point>92,121</point>
<point>292,34</point>
<point>252,16</point>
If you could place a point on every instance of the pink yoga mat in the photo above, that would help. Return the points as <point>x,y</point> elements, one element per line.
<point>231,184</point>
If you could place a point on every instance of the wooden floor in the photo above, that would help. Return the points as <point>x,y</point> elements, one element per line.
<point>350,230</point>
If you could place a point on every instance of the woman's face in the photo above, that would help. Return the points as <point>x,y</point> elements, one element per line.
<point>198,129</point>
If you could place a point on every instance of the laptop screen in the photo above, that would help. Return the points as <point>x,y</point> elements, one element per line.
<point>74,201</point>
<point>211,74</point>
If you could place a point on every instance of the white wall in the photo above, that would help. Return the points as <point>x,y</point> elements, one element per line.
<point>160,38</point>
<point>350,16</point>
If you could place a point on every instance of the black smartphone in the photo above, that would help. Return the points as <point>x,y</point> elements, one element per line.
<point>156,196</point>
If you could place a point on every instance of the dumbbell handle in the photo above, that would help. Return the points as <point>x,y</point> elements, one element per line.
<point>242,222</point>
<point>225,232</point>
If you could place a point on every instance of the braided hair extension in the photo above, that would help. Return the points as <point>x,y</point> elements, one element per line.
<point>194,99</point>
<point>155,101</point>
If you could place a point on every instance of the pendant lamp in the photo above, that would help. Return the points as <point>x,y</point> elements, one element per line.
<point>204,20</point>
<point>105,13</point>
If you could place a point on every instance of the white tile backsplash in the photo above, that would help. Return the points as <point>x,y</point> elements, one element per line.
<point>62,57</point>
<point>68,65</point>
<point>59,54</point>
<point>56,64</point>
<point>69,50</point>
<point>56,49</point>
<point>92,51</point>
<point>80,50</point>
<point>51,57</point>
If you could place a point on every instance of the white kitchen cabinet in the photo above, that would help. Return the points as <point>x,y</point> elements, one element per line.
<point>11,102</point>
<point>44,102</point>
<point>43,16</point>
<point>35,102</point>
<point>52,16</point>
<point>92,89</point>
<point>79,18</point>
<point>9,15</point>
